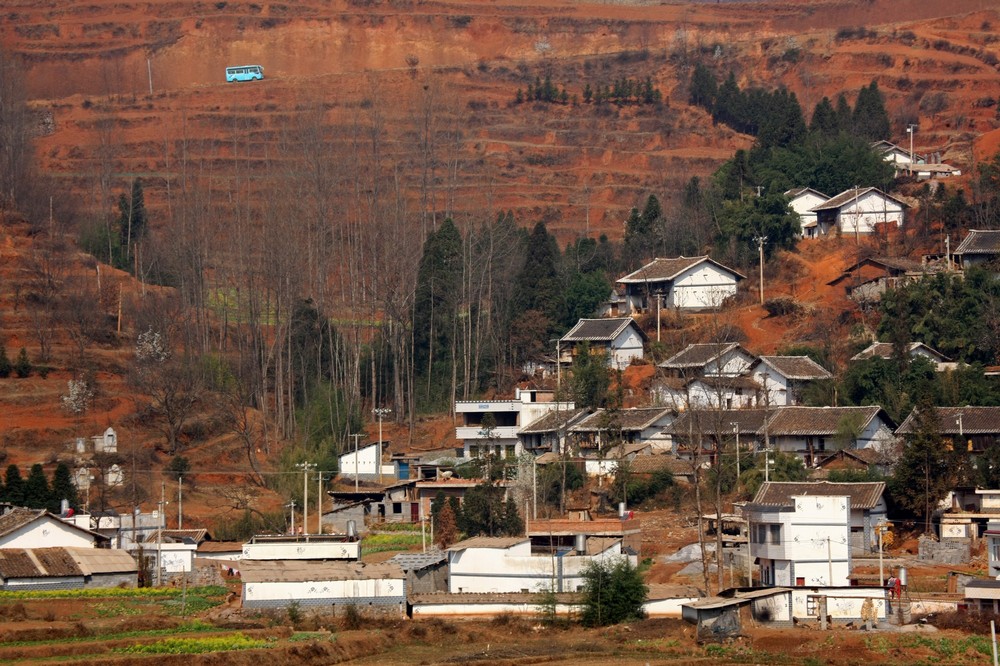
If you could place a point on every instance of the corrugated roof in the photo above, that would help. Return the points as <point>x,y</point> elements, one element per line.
<point>37,563</point>
<point>418,561</point>
<point>597,545</point>
<point>552,421</point>
<point>296,571</point>
<point>797,367</point>
<point>487,542</point>
<point>600,330</point>
<point>779,493</point>
<point>980,242</point>
<point>103,560</point>
<point>638,418</point>
<point>698,355</point>
<point>974,421</point>
<point>798,421</point>
<point>848,196</point>
<point>220,546</point>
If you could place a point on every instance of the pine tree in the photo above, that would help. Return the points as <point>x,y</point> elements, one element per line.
<point>36,488</point>
<point>704,87</point>
<point>845,117</point>
<point>5,366</point>
<point>921,476</point>
<point>22,367</point>
<point>824,120</point>
<point>588,94</point>
<point>63,488</point>
<point>871,121</point>
<point>14,486</point>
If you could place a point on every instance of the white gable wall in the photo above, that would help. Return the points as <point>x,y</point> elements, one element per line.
<point>47,532</point>
<point>702,286</point>
<point>870,209</point>
<point>361,462</point>
<point>774,385</point>
<point>624,348</point>
<point>802,205</point>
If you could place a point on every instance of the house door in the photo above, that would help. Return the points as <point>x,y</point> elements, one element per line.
<point>414,512</point>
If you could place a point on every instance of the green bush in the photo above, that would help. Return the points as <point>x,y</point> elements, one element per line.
<point>613,592</point>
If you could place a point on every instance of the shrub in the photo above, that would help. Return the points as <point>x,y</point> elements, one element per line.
<point>613,592</point>
<point>781,305</point>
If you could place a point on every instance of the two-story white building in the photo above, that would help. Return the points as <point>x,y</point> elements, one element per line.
<point>620,340</point>
<point>499,433</point>
<point>812,432</point>
<point>510,564</point>
<point>803,542</point>
<point>783,378</point>
<point>802,200</point>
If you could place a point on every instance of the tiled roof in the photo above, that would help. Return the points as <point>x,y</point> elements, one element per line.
<point>37,563</point>
<point>797,367</point>
<point>220,546</point>
<point>418,561</point>
<point>598,527</point>
<point>597,545</point>
<point>735,382</point>
<point>289,571</point>
<point>798,421</point>
<point>655,463</point>
<point>980,242</point>
<point>698,355</point>
<point>17,518</point>
<point>707,421</point>
<point>974,421</point>
<point>487,542</point>
<point>599,330</point>
<point>796,191</point>
<point>662,269</point>
<point>884,349</point>
<point>848,196</point>
<point>669,591</point>
<point>868,456</point>
<point>623,450</point>
<point>627,419</point>
<point>552,421</point>
<point>779,493</point>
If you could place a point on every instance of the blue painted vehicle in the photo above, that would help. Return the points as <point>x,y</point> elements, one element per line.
<point>244,73</point>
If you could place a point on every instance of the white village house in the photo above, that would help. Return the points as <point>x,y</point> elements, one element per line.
<point>859,211</point>
<point>510,564</point>
<point>802,542</point>
<point>684,283</point>
<point>783,378</point>
<point>620,340</point>
<point>810,432</point>
<point>37,528</point>
<point>978,248</point>
<point>508,417</point>
<point>802,200</point>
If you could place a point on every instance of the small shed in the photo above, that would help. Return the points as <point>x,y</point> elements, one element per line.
<point>426,573</point>
<point>279,583</point>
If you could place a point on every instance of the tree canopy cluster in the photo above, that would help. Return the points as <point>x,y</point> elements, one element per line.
<point>35,491</point>
<point>621,91</point>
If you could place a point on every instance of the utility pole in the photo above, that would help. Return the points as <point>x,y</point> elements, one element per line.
<point>305,467</point>
<point>911,130</point>
<point>319,502</point>
<point>159,533</point>
<point>180,501</point>
<point>736,429</point>
<point>760,240</point>
<point>291,505</point>
<point>380,413</point>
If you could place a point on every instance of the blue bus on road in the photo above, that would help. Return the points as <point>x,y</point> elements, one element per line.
<point>244,73</point>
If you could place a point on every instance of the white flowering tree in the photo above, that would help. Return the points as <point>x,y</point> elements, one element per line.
<point>172,383</point>
<point>79,393</point>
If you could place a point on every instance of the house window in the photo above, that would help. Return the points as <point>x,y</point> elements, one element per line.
<point>397,507</point>
<point>775,534</point>
<point>812,603</point>
<point>822,444</point>
<point>995,550</point>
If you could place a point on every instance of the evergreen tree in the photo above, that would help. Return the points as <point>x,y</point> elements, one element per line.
<point>824,120</point>
<point>780,121</point>
<point>921,476</point>
<point>132,223</point>
<point>438,289</point>
<point>5,365</point>
<point>36,488</point>
<point>14,486</point>
<point>445,527</point>
<point>845,117</point>
<point>729,103</point>
<point>871,121</point>
<point>539,283</point>
<point>22,366</point>
<point>63,488</point>
<point>591,378</point>
<point>588,94</point>
<point>613,592</point>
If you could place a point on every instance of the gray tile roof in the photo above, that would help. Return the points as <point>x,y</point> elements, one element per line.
<point>779,493</point>
<point>639,418</point>
<point>848,196</point>
<point>980,242</point>
<point>37,563</point>
<point>698,355</point>
<point>884,349</point>
<point>797,367</point>
<point>417,561</point>
<point>800,421</point>
<point>975,421</point>
<point>659,269</point>
<point>657,462</point>
<point>709,420</point>
<point>599,330</point>
<point>553,421</point>
<point>17,518</point>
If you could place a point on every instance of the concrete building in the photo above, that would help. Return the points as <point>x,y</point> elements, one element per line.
<point>508,417</point>
<point>278,584</point>
<point>802,200</point>
<point>37,528</point>
<point>682,283</point>
<point>620,341</point>
<point>63,568</point>
<point>859,211</point>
